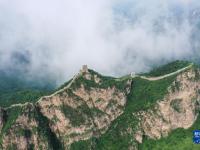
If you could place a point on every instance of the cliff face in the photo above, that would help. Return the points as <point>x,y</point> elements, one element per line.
<point>178,109</point>
<point>87,106</point>
<point>24,132</point>
<point>80,113</point>
<point>82,109</point>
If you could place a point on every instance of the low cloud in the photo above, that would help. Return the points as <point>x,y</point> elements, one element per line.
<point>53,39</point>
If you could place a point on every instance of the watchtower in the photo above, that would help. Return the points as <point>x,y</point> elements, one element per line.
<point>84,68</point>
<point>133,74</point>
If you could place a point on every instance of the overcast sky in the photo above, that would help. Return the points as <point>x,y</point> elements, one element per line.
<point>54,38</point>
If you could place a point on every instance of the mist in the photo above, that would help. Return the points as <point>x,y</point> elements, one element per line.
<point>52,39</point>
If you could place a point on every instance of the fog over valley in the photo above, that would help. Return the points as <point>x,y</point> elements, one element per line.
<point>51,40</point>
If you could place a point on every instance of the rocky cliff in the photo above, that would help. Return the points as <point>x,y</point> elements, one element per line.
<point>84,108</point>
<point>92,106</point>
<point>179,108</point>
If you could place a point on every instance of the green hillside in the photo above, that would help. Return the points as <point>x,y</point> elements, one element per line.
<point>179,139</point>
<point>168,68</point>
<point>143,96</point>
<point>15,90</point>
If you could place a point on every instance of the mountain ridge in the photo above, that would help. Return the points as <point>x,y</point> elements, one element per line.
<point>89,106</point>
<point>141,76</point>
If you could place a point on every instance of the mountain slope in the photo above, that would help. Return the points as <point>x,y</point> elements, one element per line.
<point>168,68</point>
<point>84,108</point>
<point>92,111</point>
<point>14,88</point>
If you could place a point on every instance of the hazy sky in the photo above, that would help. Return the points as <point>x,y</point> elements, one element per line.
<point>54,38</point>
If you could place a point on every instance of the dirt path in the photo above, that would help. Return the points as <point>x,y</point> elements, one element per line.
<point>167,75</point>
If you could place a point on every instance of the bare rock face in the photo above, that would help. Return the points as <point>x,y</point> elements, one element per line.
<point>23,134</point>
<point>87,106</point>
<point>178,109</point>
<point>78,113</point>
<point>84,108</point>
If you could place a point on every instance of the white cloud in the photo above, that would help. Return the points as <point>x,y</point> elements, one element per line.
<point>112,37</point>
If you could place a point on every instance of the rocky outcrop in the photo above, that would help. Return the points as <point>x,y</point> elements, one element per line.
<point>23,134</point>
<point>178,109</point>
<point>80,113</point>
<point>87,106</point>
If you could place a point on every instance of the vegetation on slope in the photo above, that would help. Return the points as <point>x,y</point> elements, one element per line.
<point>143,95</point>
<point>43,128</point>
<point>105,82</point>
<point>10,117</point>
<point>14,90</point>
<point>20,96</point>
<point>76,116</point>
<point>63,85</point>
<point>168,68</point>
<point>179,139</point>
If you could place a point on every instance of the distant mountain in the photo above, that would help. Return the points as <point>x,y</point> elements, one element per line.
<point>15,88</point>
<point>153,111</point>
